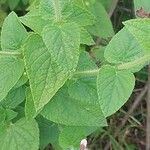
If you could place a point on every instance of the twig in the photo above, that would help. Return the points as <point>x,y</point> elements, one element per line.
<point>148,113</point>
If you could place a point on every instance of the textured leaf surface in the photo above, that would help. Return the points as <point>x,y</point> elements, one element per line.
<point>22,135</point>
<point>67,111</point>
<point>45,76</point>
<point>81,16</point>
<point>140,29</point>
<point>13,33</point>
<point>114,88</point>
<point>63,43</point>
<point>10,72</point>
<point>128,51</point>
<point>34,21</point>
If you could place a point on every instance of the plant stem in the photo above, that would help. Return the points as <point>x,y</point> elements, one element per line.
<point>124,66</point>
<point>57,10</point>
<point>10,53</point>
<point>134,63</point>
<point>87,73</point>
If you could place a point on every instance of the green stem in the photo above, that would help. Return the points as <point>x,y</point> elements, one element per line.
<point>87,73</point>
<point>10,53</point>
<point>134,63</point>
<point>124,66</point>
<point>57,10</point>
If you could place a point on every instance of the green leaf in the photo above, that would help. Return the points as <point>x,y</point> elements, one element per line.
<point>140,29</point>
<point>63,43</point>
<point>103,26</point>
<point>49,132</point>
<point>34,21</point>
<point>114,88</point>
<point>20,136</point>
<point>14,98</point>
<point>85,37</point>
<point>50,9</point>
<point>71,136</point>
<point>128,51</point>
<point>45,76</point>
<point>13,33</point>
<point>67,111</point>
<point>11,70</point>
<point>84,89</point>
<point>13,4</point>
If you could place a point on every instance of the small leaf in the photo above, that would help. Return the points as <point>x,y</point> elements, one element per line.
<point>20,136</point>
<point>140,29</point>
<point>11,70</point>
<point>45,76</point>
<point>114,88</point>
<point>13,33</point>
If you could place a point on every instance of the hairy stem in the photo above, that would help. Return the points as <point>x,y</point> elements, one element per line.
<point>57,10</point>
<point>124,66</point>
<point>134,63</point>
<point>10,53</point>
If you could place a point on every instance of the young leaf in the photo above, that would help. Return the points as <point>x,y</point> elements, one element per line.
<point>128,51</point>
<point>63,43</point>
<point>13,33</point>
<point>114,88</point>
<point>140,29</point>
<point>20,136</point>
<point>45,75</point>
<point>11,70</point>
<point>67,111</point>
